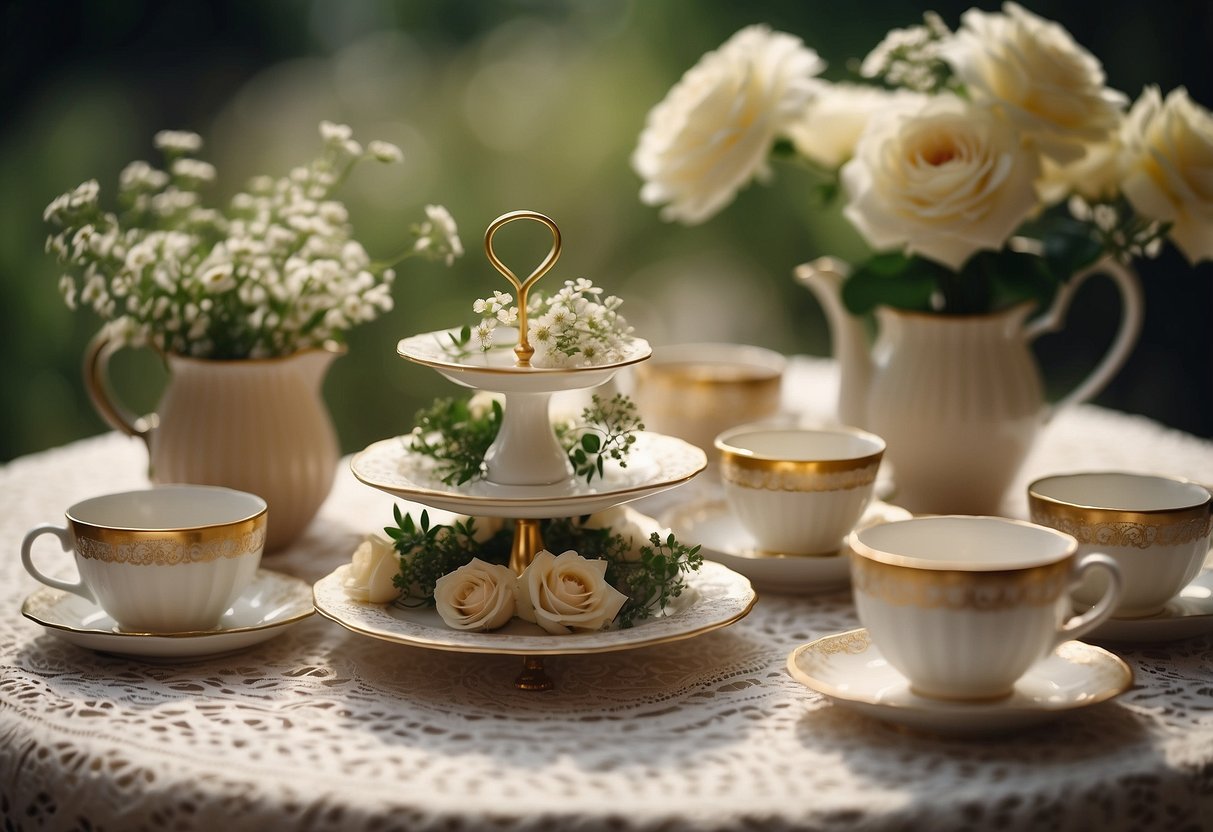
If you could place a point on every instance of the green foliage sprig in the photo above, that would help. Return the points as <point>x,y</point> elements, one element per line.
<point>652,576</point>
<point>427,552</point>
<point>457,435</point>
<point>607,431</point>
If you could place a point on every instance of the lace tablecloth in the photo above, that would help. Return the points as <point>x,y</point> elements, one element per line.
<point>321,728</point>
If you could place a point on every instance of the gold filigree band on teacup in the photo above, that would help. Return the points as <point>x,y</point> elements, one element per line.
<point>770,475</point>
<point>955,589</point>
<point>1108,527</point>
<point>169,548</point>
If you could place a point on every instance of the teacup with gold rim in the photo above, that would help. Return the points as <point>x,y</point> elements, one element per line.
<point>170,559</point>
<point>1156,528</point>
<point>963,605</point>
<point>798,491</point>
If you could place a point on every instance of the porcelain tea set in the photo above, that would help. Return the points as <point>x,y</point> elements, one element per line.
<point>969,621</point>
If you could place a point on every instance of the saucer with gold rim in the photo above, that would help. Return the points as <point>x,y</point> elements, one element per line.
<point>1187,615</point>
<point>849,670</point>
<point>710,523</point>
<point>268,606</point>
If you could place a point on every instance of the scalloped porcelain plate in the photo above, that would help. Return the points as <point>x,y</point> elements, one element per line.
<point>723,539</point>
<point>1187,615</point>
<point>657,463</point>
<point>267,607</point>
<point>849,670</point>
<point>496,370</point>
<point>716,597</point>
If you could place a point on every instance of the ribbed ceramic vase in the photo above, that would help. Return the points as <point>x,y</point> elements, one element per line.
<point>959,401</point>
<point>255,425</point>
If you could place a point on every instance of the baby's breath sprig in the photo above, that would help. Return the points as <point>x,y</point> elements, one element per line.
<point>457,433</point>
<point>575,327</point>
<point>276,272</point>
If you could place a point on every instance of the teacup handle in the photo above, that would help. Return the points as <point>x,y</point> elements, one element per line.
<point>96,381</point>
<point>1126,335</point>
<point>1092,618</point>
<point>65,540</point>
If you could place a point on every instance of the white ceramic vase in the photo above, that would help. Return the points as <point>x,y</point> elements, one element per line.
<point>958,398</point>
<point>255,425</point>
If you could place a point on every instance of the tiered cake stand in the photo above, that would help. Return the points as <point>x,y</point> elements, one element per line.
<point>528,478</point>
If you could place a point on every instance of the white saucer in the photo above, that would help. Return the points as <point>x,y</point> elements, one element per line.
<point>711,524</point>
<point>657,463</point>
<point>714,597</point>
<point>496,369</point>
<point>850,671</point>
<point>1188,614</point>
<point>270,604</point>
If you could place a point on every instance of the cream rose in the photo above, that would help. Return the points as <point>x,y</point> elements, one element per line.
<point>1096,176</point>
<point>370,574</point>
<point>830,126</point>
<point>476,596</point>
<point>944,181</point>
<point>567,592</point>
<point>1033,70</point>
<point>633,526</point>
<point>713,131</point>
<point>1169,167</point>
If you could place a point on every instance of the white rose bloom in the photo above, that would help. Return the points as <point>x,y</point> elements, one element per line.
<point>1052,88</point>
<point>1169,167</point>
<point>1096,176</point>
<point>633,526</point>
<point>369,575</point>
<point>944,181</point>
<point>830,126</point>
<point>476,596</point>
<point>567,593</point>
<point>715,128</point>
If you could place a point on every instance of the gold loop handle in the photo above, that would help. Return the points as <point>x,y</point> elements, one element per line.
<point>524,350</point>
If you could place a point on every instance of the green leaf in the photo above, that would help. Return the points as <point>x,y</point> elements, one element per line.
<point>891,280</point>
<point>591,443</point>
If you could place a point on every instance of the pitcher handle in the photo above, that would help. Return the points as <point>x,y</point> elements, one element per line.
<point>96,382</point>
<point>1126,336</point>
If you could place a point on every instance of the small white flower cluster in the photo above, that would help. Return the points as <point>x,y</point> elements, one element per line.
<point>910,58</point>
<point>575,327</point>
<point>437,236</point>
<point>277,273</point>
<point>1123,233</point>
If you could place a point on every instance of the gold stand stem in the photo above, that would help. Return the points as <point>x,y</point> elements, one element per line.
<point>528,539</point>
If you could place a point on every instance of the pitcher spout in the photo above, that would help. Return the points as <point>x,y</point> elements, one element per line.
<point>824,278</point>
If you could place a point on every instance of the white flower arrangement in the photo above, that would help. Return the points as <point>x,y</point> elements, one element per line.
<point>575,327</point>
<point>951,149</point>
<point>278,272</point>
<point>617,567</point>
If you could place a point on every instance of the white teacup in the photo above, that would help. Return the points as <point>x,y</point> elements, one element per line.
<point>798,491</point>
<point>962,606</point>
<point>695,391</point>
<point>170,559</point>
<point>1157,529</point>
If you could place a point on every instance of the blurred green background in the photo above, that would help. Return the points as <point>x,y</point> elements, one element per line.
<point>498,106</point>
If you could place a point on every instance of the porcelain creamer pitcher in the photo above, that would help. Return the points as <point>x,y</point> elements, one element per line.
<point>958,398</point>
<point>255,425</point>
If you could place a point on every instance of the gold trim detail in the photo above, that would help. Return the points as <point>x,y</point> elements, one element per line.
<point>955,589</point>
<point>1123,528</point>
<point>827,475</point>
<point>169,548</point>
